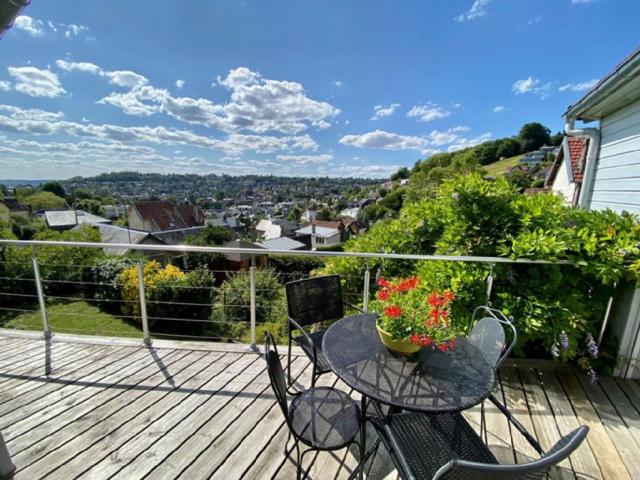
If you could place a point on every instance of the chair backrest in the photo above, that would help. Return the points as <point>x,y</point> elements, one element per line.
<point>489,336</point>
<point>276,373</point>
<point>535,470</point>
<point>314,300</point>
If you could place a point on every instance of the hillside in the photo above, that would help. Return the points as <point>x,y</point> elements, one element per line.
<point>499,167</point>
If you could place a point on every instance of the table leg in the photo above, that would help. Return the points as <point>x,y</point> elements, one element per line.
<point>363,434</point>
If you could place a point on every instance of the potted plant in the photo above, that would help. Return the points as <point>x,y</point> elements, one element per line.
<point>411,317</point>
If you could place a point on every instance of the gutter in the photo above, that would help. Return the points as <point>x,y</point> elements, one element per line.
<point>591,160</point>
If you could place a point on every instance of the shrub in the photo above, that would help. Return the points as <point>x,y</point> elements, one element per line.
<point>231,311</point>
<point>470,216</point>
<point>289,268</point>
<point>105,278</point>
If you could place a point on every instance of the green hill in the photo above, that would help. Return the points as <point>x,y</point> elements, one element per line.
<point>501,166</point>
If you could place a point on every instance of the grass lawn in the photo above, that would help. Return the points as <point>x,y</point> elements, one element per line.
<point>499,167</point>
<point>76,317</point>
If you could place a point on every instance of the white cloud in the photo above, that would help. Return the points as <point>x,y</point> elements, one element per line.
<point>85,67</point>
<point>35,82</point>
<point>4,86</point>
<point>577,2</point>
<point>534,20</point>
<point>30,25</point>
<point>532,85</point>
<point>428,112</point>
<point>380,111</point>
<point>73,30</point>
<point>338,83</point>
<point>256,104</point>
<point>580,86</point>
<point>478,9</point>
<point>39,122</point>
<point>180,84</point>
<point>426,144</point>
<point>306,159</point>
<point>499,108</point>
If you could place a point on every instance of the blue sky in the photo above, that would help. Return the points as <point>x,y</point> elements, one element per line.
<point>291,87</point>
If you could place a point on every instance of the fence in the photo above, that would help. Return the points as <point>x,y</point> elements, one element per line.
<point>149,320</point>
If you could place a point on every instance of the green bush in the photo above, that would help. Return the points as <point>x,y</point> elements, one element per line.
<point>231,310</point>
<point>471,216</point>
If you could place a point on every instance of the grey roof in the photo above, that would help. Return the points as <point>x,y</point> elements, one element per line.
<point>115,234</point>
<point>13,205</point>
<point>282,243</point>
<point>176,236</point>
<point>66,218</point>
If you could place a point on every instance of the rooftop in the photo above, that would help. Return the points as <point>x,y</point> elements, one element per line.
<point>113,408</point>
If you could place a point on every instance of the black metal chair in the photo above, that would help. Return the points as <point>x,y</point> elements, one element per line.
<point>490,335</point>
<point>446,447</point>
<point>322,418</point>
<point>310,302</point>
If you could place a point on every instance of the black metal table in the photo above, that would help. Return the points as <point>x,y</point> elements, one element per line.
<point>431,381</point>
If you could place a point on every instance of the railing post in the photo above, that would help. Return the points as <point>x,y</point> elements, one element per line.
<point>365,294</point>
<point>490,284</point>
<point>252,299</point>
<point>143,303</point>
<point>41,299</point>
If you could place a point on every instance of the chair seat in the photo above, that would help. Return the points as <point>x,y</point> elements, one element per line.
<point>325,418</point>
<point>428,442</point>
<point>322,366</point>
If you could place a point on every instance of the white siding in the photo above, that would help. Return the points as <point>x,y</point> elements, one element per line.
<point>562,185</point>
<point>617,177</point>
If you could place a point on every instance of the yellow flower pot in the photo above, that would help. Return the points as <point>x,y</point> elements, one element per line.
<point>401,347</point>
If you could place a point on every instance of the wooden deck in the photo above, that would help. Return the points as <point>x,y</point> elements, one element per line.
<point>116,409</point>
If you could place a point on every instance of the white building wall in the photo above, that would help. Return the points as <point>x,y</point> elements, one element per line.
<point>616,182</point>
<point>563,184</point>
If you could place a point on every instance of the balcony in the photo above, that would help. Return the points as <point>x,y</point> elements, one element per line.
<point>88,406</point>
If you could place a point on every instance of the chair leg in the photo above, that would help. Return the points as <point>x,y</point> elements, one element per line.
<point>363,434</point>
<point>289,379</point>
<point>483,425</point>
<point>313,376</point>
<point>300,469</point>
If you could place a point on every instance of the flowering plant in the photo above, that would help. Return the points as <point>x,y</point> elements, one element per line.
<point>409,311</point>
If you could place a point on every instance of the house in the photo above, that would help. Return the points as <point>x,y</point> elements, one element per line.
<point>237,261</point>
<point>609,164</point>
<point>9,207</point>
<point>269,228</point>
<point>565,176</point>
<point>162,215</point>
<point>114,211</point>
<point>350,212</point>
<point>67,219</point>
<point>120,235</point>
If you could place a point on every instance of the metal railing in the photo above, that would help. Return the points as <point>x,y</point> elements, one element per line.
<point>144,317</point>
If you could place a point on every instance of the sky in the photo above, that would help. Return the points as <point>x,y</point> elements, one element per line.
<point>354,88</point>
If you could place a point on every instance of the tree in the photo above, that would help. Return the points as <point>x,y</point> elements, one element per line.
<point>324,214</point>
<point>294,215</point>
<point>556,139</point>
<point>211,236</point>
<point>488,153</point>
<point>533,135</point>
<point>44,201</point>
<point>508,147</point>
<point>401,174</point>
<point>54,187</point>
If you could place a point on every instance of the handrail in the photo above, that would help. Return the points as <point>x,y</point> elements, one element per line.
<point>262,251</point>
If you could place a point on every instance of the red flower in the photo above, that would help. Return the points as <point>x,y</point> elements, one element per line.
<point>383,283</point>
<point>426,341</point>
<point>452,343</point>
<point>443,347</point>
<point>383,295</point>
<point>433,299</point>
<point>415,339</point>
<point>393,311</point>
<point>448,296</point>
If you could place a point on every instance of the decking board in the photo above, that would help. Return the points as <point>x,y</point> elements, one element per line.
<point>115,409</point>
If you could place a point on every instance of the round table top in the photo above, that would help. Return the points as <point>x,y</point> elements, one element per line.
<point>432,381</point>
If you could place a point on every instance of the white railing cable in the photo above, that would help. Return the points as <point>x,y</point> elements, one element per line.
<point>261,251</point>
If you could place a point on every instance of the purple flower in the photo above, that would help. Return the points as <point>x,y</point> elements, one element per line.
<point>592,347</point>
<point>555,351</point>
<point>564,340</point>
<point>593,376</point>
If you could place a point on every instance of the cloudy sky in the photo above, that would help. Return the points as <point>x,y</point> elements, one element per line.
<point>291,87</point>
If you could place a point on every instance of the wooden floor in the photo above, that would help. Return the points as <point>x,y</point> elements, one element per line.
<point>96,408</point>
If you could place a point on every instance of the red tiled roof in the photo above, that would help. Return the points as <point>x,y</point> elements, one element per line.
<point>326,224</point>
<point>577,152</point>
<point>169,217</point>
